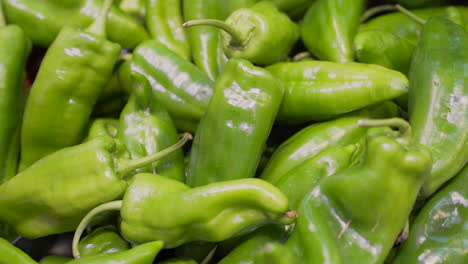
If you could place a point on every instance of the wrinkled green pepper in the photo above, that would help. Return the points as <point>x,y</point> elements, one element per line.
<point>252,33</point>
<point>72,75</point>
<point>9,254</point>
<point>43,20</point>
<point>76,178</point>
<point>355,216</point>
<point>438,98</point>
<point>181,87</point>
<point>159,208</point>
<point>102,240</point>
<point>329,27</point>
<point>321,90</point>
<point>146,128</point>
<point>313,139</point>
<point>229,146</point>
<point>142,254</point>
<point>439,232</point>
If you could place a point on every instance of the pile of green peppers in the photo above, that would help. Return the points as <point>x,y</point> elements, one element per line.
<point>324,132</point>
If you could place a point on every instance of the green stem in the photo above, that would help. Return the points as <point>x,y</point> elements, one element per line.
<point>377,10</point>
<point>236,38</point>
<point>2,17</point>
<point>402,125</point>
<point>125,166</point>
<point>410,14</point>
<point>110,206</point>
<point>98,27</point>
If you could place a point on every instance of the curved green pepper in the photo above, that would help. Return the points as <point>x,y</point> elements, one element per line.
<point>438,98</point>
<point>142,254</point>
<point>159,208</point>
<point>55,260</point>
<point>229,146</point>
<point>43,20</point>
<point>74,71</point>
<point>103,240</point>
<point>439,232</point>
<point>355,216</point>
<point>329,27</point>
<point>313,139</point>
<point>320,90</point>
<point>9,254</point>
<point>252,33</point>
<point>181,87</point>
<point>76,179</point>
<point>146,128</point>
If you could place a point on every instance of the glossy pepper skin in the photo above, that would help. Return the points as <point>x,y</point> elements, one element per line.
<point>142,254</point>
<point>73,73</point>
<point>43,20</point>
<point>11,254</point>
<point>76,178</point>
<point>439,232</point>
<point>338,226</point>
<point>151,210</point>
<point>252,33</point>
<point>438,98</point>
<point>164,21</point>
<point>329,27</point>
<point>183,89</point>
<point>321,90</point>
<point>146,128</point>
<point>102,240</point>
<point>315,138</point>
<point>230,146</point>
<point>14,51</point>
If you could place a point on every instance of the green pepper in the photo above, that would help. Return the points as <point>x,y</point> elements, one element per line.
<point>103,127</point>
<point>164,22</point>
<point>292,5</point>
<point>321,90</point>
<point>74,71</point>
<point>183,89</point>
<point>420,3</point>
<point>179,261</point>
<point>14,51</point>
<point>52,196</point>
<point>136,8</point>
<point>355,216</point>
<point>142,254</point>
<point>230,138</point>
<point>9,254</point>
<point>159,208</point>
<point>252,33</point>
<point>439,232</point>
<point>103,240</point>
<point>438,98</point>
<point>329,27</point>
<point>313,139</point>
<point>146,128</point>
<point>42,20</point>
<point>230,6</point>
<point>55,260</point>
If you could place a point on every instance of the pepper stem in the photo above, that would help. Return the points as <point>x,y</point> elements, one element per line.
<point>236,38</point>
<point>98,27</point>
<point>377,10</point>
<point>402,125</point>
<point>110,206</point>
<point>2,17</point>
<point>288,218</point>
<point>410,14</point>
<point>125,166</point>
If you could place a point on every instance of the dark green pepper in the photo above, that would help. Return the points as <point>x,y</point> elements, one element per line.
<point>329,27</point>
<point>43,20</point>
<point>103,240</point>
<point>159,208</point>
<point>179,261</point>
<point>74,71</point>
<point>438,98</point>
<point>180,86</point>
<point>252,33</point>
<point>292,5</point>
<point>146,128</point>
<point>420,3</point>
<point>230,6</point>
<point>321,90</point>
<point>229,146</point>
<point>355,216</point>
<point>55,260</point>
<point>315,138</point>
<point>9,254</point>
<point>439,232</point>
<point>76,179</point>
